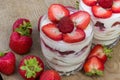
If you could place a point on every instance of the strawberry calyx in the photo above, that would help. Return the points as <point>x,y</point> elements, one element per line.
<point>107,51</point>
<point>95,72</point>
<point>31,67</point>
<point>24,29</point>
<point>1,54</point>
<point>77,5</point>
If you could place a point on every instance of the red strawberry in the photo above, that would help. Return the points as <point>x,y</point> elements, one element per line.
<point>52,32</point>
<point>23,24</point>
<point>57,11</point>
<point>116,6</point>
<point>101,52</point>
<point>90,2</point>
<point>7,63</point>
<point>20,44</point>
<point>50,75</point>
<point>81,19</point>
<point>105,3</point>
<point>93,66</point>
<point>31,67</point>
<point>65,25</point>
<point>75,36</point>
<point>100,12</point>
<point>39,21</point>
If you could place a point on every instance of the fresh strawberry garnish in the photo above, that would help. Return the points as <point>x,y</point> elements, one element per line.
<point>19,43</point>
<point>81,19</point>
<point>101,52</point>
<point>22,25</point>
<point>105,3</point>
<point>116,6</point>
<point>31,67</point>
<point>90,2</point>
<point>65,25</point>
<point>93,66</point>
<point>52,32</point>
<point>57,11</point>
<point>100,12</point>
<point>7,63</point>
<point>75,36</point>
<point>50,75</point>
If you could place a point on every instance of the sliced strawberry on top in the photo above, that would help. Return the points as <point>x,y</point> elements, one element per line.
<point>90,2</point>
<point>57,11</point>
<point>93,66</point>
<point>81,19</point>
<point>116,6</point>
<point>100,12</point>
<point>75,36</point>
<point>52,32</point>
<point>101,52</point>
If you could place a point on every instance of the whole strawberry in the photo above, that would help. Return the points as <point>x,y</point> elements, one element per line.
<point>93,66</point>
<point>31,67</point>
<point>7,63</point>
<point>50,75</point>
<point>20,39</point>
<point>101,52</point>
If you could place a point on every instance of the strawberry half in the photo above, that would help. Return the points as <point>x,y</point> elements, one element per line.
<point>75,36</point>
<point>101,52</point>
<point>31,67</point>
<point>22,24</point>
<point>7,63</point>
<point>19,43</point>
<point>116,6</point>
<point>57,11</point>
<point>50,75</point>
<point>90,2</point>
<point>93,66</point>
<point>81,19</point>
<point>52,32</point>
<point>100,12</point>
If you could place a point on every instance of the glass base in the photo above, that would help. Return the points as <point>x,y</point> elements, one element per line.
<point>66,73</point>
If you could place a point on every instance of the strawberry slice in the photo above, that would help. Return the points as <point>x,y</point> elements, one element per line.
<point>57,11</point>
<point>52,32</point>
<point>75,36</point>
<point>90,2</point>
<point>101,52</point>
<point>93,66</point>
<point>100,12</point>
<point>116,6</point>
<point>81,19</point>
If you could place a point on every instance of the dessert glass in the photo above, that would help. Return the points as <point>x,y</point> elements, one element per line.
<point>106,30</point>
<point>66,58</point>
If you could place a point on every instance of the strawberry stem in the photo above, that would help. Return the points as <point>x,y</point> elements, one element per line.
<point>107,51</point>
<point>24,29</point>
<point>1,54</point>
<point>31,67</point>
<point>77,4</point>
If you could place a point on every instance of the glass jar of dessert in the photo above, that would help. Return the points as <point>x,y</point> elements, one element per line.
<point>105,15</point>
<point>66,35</point>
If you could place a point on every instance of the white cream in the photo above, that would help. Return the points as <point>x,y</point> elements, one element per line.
<point>70,62</point>
<point>110,34</point>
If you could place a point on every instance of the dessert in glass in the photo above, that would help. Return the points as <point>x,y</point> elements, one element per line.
<point>105,15</point>
<point>66,36</point>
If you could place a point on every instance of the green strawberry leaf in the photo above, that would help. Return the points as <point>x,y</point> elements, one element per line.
<point>77,5</point>
<point>31,67</point>
<point>24,29</point>
<point>1,54</point>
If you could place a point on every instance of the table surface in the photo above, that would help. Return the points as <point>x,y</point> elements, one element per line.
<point>10,10</point>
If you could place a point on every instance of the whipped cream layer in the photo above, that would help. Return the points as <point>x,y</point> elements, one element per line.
<point>112,26</point>
<point>54,51</point>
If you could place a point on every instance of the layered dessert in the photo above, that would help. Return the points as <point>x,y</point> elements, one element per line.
<point>105,16</point>
<point>66,36</point>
